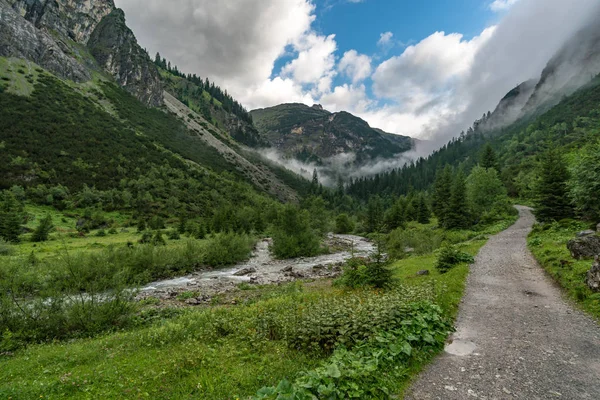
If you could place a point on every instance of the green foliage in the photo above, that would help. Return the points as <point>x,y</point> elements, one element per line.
<point>419,239</point>
<point>552,196</point>
<point>489,159</point>
<point>375,214</point>
<point>365,370</point>
<point>42,232</point>
<point>395,216</point>
<point>158,239</point>
<point>457,213</point>
<point>442,192</point>
<point>584,184</point>
<point>6,249</point>
<point>11,217</point>
<point>227,248</point>
<point>293,234</point>
<point>548,243</point>
<point>423,212</point>
<point>343,224</point>
<point>449,257</point>
<point>359,272</point>
<point>486,193</point>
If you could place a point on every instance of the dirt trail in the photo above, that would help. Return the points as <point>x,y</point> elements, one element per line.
<point>516,338</point>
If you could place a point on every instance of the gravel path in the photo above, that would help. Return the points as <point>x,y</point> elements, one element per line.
<point>516,338</point>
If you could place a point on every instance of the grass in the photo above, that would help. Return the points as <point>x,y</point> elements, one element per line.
<point>191,355</point>
<point>548,243</point>
<point>21,75</point>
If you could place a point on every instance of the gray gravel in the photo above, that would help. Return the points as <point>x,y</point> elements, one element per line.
<point>516,338</point>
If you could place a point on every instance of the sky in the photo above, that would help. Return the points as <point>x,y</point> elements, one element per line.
<point>425,69</point>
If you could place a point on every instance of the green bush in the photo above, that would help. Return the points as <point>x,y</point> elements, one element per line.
<point>42,232</point>
<point>420,239</point>
<point>5,248</point>
<point>364,371</point>
<point>449,256</point>
<point>227,248</point>
<point>343,224</point>
<point>293,235</point>
<point>359,272</point>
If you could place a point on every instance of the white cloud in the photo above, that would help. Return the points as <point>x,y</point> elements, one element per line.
<point>502,5</point>
<point>356,66</point>
<point>349,98</point>
<point>385,39</point>
<point>315,59</point>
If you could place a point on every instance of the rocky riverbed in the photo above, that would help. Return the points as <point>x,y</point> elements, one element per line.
<point>260,269</point>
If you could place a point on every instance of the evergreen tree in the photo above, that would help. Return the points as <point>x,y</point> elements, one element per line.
<point>10,217</point>
<point>375,214</point>
<point>395,217</point>
<point>442,191</point>
<point>489,158</point>
<point>423,212</point>
<point>314,185</point>
<point>42,232</point>
<point>457,216</point>
<point>552,194</point>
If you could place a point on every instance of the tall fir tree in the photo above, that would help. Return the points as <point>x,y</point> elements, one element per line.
<point>457,215</point>
<point>11,216</point>
<point>442,191</point>
<point>489,158</point>
<point>552,193</point>
<point>423,212</point>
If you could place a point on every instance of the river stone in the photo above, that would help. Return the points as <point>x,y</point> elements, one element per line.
<point>589,232</point>
<point>245,271</point>
<point>192,302</point>
<point>584,247</point>
<point>593,276</point>
<point>423,273</point>
<point>287,269</point>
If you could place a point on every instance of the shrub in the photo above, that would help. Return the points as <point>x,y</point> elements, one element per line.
<point>112,231</point>
<point>359,272</point>
<point>174,234</point>
<point>420,239</point>
<point>146,238</point>
<point>449,256</point>
<point>158,239</point>
<point>42,232</point>
<point>5,248</point>
<point>227,248</point>
<point>101,233</point>
<point>293,235</point>
<point>343,224</point>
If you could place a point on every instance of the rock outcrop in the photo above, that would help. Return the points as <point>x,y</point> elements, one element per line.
<point>584,247</point>
<point>117,51</point>
<point>20,38</point>
<point>593,276</point>
<point>72,38</point>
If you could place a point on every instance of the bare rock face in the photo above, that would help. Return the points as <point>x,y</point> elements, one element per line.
<point>20,38</point>
<point>54,34</point>
<point>584,247</point>
<point>115,48</point>
<point>593,276</point>
<point>73,19</point>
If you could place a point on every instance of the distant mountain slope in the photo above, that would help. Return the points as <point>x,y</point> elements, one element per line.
<point>313,134</point>
<point>88,46</point>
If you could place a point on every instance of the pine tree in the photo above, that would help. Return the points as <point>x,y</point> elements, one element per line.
<point>394,217</point>
<point>423,212</point>
<point>458,208</point>
<point>552,202</point>
<point>489,158</point>
<point>314,185</point>
<point>42,232</point>
<point>10,217</point>
<point>442,190</point>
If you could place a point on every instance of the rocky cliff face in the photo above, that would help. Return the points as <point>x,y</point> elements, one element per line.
<point>115,48</point>
<point>75,19</point>
<point>72,38</point>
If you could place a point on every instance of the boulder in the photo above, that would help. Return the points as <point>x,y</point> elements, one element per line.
<point>593,276</point>
<point>589,232</point>
<point>245,271</point>
<point>584,247</point>
<point>192,302</point>
<point>423,273</point>
<point>287,269</point>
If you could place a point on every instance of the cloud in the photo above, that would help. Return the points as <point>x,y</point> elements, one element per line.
<point>502,5</point>
<point>432,89</point>
<point>356,66</point>
<point>385,39</point>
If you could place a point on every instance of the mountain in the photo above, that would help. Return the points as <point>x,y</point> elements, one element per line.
<point>84,106</point>
<point>315,134</point>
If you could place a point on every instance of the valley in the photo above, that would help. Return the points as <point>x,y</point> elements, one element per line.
<point>267,213</point>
